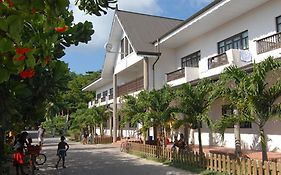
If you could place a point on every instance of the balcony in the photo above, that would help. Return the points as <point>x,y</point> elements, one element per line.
<point>269,43</point>
<point>102,99</point>
<point>217,61</point>
<point>215,65</point>
<point>175,75</point>
<point>132,86</point>
<point>182,76</point>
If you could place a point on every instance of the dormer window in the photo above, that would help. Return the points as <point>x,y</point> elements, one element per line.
<point>126,47</point>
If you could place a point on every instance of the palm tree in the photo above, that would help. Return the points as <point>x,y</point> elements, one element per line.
<point>231,86</point>
<point>194,102</point>
<point>263,89</point>
<point>255,95</point>
<point>134,110</point>
<point>160,108</point>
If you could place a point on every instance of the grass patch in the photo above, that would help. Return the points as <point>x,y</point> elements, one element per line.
<point>194,169</point>
<point>177,165</point>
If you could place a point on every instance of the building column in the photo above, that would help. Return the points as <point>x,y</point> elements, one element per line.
<point>145,74</point>
<point>115,116</point>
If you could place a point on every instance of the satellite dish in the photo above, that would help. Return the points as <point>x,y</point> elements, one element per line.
<point>108,47</point>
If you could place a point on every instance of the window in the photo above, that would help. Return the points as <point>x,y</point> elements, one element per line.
<point>239,41</point>
<point>104,93</point>
<point>278,23</point>
<point>227,110</point>
<point>98,95</point>
<point>191,60</point>
<point>126,47</point>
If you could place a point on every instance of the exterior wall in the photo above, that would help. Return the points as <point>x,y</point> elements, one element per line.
<point>165,64</point>
<point>259,22</point>
<point>249,136</point>
<point>100,90</point>
<point>129,60</point>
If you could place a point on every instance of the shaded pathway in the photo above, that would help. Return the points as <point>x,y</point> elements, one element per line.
<point>101,160</point>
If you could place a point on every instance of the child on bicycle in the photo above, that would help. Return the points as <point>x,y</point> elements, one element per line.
<point>61,152</point>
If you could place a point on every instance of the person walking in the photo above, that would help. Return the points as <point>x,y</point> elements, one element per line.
<point>41,132</point>
<point>61,151</point>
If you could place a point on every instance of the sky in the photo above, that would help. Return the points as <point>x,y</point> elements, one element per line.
<point>90,56</point>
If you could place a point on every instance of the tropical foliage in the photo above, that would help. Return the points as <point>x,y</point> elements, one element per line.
<point>194,103</point>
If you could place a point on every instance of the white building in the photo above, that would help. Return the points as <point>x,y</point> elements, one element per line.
<point>146,52</point>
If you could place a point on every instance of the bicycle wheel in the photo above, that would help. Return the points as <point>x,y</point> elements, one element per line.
<point>122,147</point>
<point>40,159</point>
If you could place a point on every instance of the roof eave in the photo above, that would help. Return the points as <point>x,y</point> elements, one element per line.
<point>212,4</point>
<point>87,88</point>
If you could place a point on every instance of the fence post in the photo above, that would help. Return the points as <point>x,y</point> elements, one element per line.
<point>219,163</point>
<point>249,166</point>
<point>273,168</point>
<point>260,168</point>
<point>228,164</point>
<point>266,168</point>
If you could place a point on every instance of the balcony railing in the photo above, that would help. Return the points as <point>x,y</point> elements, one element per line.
<point>102,99</point>
<point>269,43</point>
<point>175,75</point>
<point>132,86</point>
<point>217,61</point>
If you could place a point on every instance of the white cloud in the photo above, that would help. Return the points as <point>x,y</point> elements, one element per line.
<point>102,24</point>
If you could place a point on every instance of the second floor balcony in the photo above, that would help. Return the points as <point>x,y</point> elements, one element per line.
<point>132,86</point>
<point>269,43</point>
<point>182,75</point>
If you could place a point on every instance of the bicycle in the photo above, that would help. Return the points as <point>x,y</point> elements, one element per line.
<point>125,147</point>
<point>33,156</point>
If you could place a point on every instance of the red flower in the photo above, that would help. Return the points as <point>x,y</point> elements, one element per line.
<point>1,1</point>
<point>21,51</point>
<point>61,29</point>
<point>28,73</point>
<point>20,58</point>
<point>11,4</point>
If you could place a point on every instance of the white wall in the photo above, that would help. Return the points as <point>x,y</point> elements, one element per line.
<point>165,64</point>
<point>259,22</point>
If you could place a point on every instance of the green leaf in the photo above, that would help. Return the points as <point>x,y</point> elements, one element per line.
<point>6,45</point>
<point>3,25</point>
<point>4,75</point>
<point>30,61</point>
<point>15,24</point>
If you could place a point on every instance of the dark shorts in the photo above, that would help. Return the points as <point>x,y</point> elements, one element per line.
<point>61,153</point>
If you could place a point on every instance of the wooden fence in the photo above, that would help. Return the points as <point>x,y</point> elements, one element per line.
<point>102,140</point>
<point>214,162</point>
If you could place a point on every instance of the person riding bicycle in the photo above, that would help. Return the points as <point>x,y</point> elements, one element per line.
<point>61,152</point>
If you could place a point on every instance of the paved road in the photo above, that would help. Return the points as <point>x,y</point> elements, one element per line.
<point>100,160</point>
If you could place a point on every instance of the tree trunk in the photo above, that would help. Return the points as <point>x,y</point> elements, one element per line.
<point>164,140</point>
<point>155,132</point>
<point>263,144</point>
<point>186,135</point>
<point>237,140</point>
<point>2,141</point>
<point>101,129</point>
<point>200,139</point>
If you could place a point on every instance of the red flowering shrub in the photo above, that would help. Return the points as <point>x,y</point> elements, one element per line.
<point>61,29</point>
<point>20,58</point>
<point>21,51</point>
<point>28,73</point>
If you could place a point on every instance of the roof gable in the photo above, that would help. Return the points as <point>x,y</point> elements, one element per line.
<point>143,29</point>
